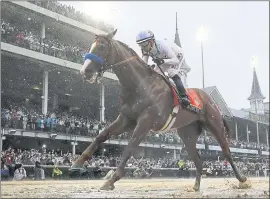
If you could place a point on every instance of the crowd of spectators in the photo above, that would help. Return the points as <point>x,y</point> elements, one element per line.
<point>239,144</point>
<point>46,157</point>
<point>50,45</point>
<point>70,12</point>
<point>29,157</point>
<point>20,158</point>
<point>248,168</point>
<point>29,38</point>
<point>19,117</point>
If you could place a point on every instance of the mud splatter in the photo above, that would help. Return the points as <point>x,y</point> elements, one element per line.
<point>127,188</point>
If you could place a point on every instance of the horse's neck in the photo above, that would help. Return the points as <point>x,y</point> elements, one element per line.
<point>132,72</point>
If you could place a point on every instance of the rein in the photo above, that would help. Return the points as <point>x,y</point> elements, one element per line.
<point>102,62</point>
<point>121,62</point>
<point>106,67</point>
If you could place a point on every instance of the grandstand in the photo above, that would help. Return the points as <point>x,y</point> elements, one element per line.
<point>46,104</point>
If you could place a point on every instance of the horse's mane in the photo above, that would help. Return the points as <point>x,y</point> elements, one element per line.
<point>132,51</point>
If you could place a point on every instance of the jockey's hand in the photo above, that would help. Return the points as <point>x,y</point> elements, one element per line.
<point>158,61</point>
<point>152,66</point>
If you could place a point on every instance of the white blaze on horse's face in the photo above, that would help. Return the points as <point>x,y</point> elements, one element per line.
<point>88,61</point>
<point>94,45</point>
<point>85,64</point>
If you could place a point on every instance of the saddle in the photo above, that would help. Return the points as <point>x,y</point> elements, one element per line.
<point>195,102</point>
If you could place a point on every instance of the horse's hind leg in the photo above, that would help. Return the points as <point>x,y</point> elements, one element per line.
<point>120,125</point>
<point>189,135</point>
<point>216,126</point>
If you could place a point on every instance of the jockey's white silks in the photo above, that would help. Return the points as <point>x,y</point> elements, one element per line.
<point>172,55</point>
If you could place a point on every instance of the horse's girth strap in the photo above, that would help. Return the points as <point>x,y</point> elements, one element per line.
<point>171,119</point>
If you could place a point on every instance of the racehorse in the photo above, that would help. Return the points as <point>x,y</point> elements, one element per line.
<point>148,102</point>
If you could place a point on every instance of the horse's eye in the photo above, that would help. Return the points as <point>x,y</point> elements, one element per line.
<point>101,47</point>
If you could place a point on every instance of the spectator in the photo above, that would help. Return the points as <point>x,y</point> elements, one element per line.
<point>181,165</point>
<point>51,46</point>
<point>19,173</point>
<point>264,168</point>
<point>39,171</point>
<point>109,174</point>
<point>4,170</point>
<point>56,172</point>
<point>257,169</point>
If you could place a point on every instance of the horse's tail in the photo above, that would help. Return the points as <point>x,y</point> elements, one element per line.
<point>227,130</point>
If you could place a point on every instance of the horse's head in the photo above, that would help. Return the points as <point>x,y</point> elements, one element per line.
<point>99,57</point>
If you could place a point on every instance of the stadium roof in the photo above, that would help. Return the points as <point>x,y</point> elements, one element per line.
<point>218,99</point>
<point>240,113</point>
<point>209,89</point>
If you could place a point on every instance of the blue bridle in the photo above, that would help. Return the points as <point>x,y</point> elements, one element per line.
<point>93,58</point>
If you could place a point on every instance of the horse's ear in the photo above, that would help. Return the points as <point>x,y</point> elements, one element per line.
<point>111,35</point>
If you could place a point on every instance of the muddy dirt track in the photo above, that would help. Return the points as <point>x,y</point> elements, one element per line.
<point>126,188</point>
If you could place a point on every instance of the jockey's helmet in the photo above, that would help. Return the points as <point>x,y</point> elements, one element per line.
<point>144,36</point>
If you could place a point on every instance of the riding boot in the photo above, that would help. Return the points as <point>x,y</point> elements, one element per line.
<point>182,91</point>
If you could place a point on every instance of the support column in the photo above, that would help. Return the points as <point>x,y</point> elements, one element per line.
<point>42,36</point>
<point>103,151</point>
<point>257,132</point>
<point>102,102</point>
<point>205,137</point>
<point>2,137</point>
<point>145,152</point>
<point>248,134</point>
<point>74,144</point>
<point>267,137</point>
<point>257,123</point>
<point>174,154</point>
<point>42,31</point>
<point>236,131</point>
<point>73,148</point>
<point>45,92</point>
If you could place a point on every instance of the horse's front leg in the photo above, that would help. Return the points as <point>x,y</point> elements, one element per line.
<point>119,126</point>
<point>143,126</point>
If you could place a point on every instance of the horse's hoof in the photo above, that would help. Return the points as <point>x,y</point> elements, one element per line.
<point>244,185</point>
<point>107,187</point>
<point>196,188</point>
<point>243,179</point>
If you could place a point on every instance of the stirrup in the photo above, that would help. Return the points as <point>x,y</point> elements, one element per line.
<point>185,100</point>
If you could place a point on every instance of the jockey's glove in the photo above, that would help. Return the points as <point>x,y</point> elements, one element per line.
<point>152,66</point>
<point>158,61</point>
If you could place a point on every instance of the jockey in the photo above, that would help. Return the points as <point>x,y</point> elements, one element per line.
<point>169,57</point>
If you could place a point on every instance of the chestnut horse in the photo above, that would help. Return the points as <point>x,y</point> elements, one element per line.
<point>147,102</point>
